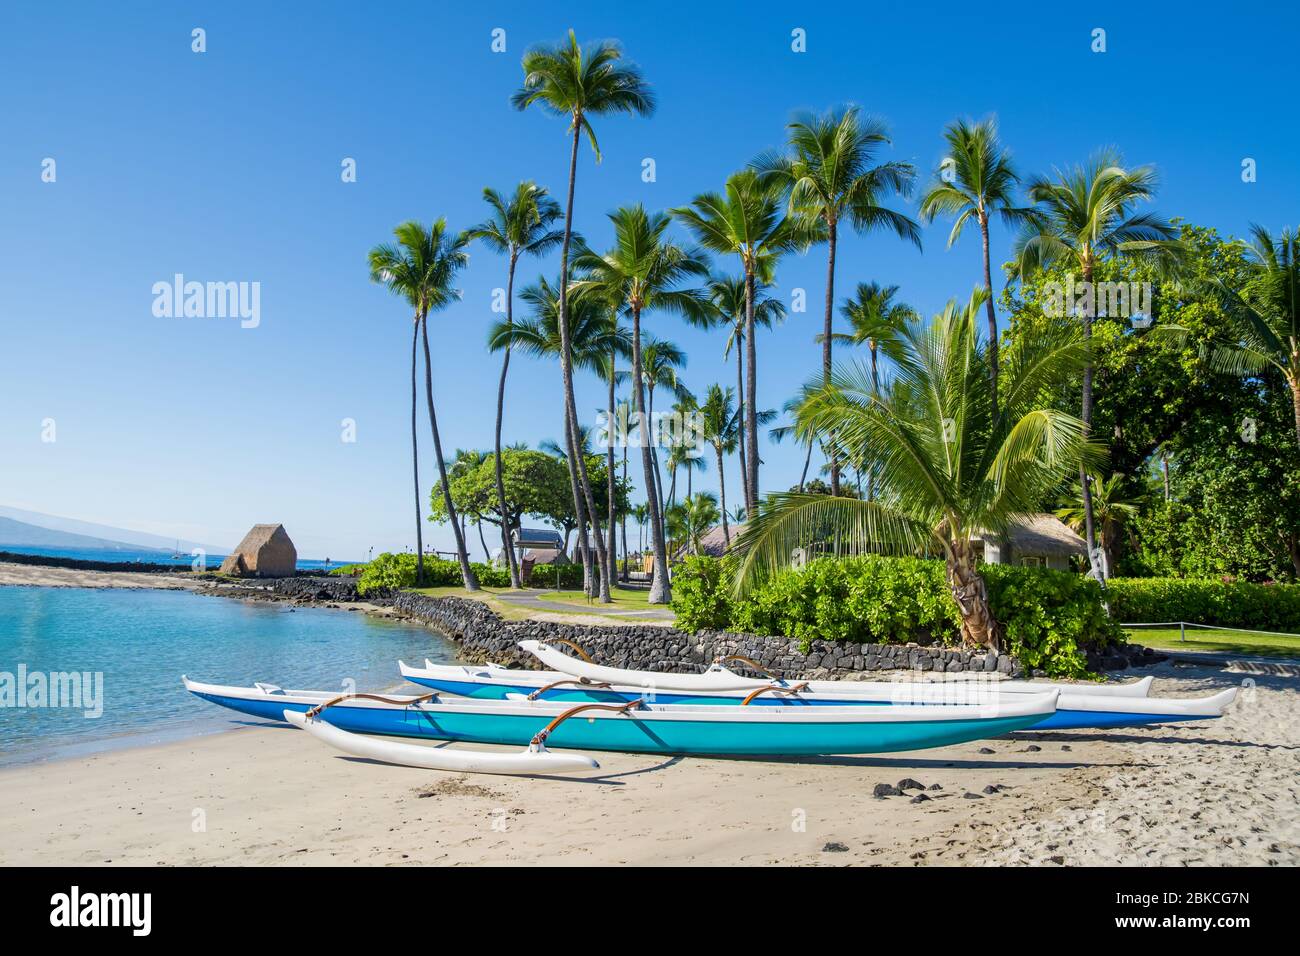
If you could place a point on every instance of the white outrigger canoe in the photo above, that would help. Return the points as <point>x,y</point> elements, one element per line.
<point>633,726</point>
<point>1079,706</point>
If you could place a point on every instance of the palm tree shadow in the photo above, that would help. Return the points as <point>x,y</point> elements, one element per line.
<point>1112,737</point>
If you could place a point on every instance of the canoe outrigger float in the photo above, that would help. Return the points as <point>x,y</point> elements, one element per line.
<point>575,680</point>
<point>633,726</point>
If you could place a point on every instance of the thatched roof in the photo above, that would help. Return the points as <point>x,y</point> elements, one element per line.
<point>546,556</point>
<point>1042,536</point>
<point>266,551</point>
<point>713,542</point>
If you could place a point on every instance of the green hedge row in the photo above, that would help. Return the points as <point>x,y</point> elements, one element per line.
<point>392,571</point>
<point>1050,617</point>
<point>1264,607</point>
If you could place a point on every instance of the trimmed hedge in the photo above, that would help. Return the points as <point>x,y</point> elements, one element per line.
<point>1264,607</point>
<point>1050,617</point>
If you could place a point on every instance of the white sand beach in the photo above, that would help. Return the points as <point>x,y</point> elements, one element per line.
<point>50,577</point>
<point>1213,793</point>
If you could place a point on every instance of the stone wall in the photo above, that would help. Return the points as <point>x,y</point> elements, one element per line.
<point>318,588</point>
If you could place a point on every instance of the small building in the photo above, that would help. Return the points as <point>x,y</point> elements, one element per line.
<point>713,542</point>
<point>265,552</point>
<point>1040,541</point>
<point>540,539</point>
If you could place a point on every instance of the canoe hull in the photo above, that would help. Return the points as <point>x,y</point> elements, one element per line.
<point>726,734</point>
<point>1074,712</point>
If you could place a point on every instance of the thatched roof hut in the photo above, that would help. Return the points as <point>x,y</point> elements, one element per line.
<point>265,552</point>
<point>1042,540</point>
<point>713,542</point>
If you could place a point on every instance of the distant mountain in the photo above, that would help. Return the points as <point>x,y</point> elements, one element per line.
<point>19,534</point>
<point>87,531</point>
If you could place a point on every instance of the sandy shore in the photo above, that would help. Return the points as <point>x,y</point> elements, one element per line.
<point>1210,794</point>
<point>39,576</point>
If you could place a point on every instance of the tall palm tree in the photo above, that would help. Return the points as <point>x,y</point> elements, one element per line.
<point>876,320</point>
<point>421,268</point>
<point>523,224</point>
<point>1080,219</point>
<point>748,219</point>
<point>641,515</point>
<point>645,271</point>
<point>720,423</point>
<point>978,180</point>
<point>727,293</point>
<point>1264,326</point>
<point>830,174</point>
<point>592,339</point>
<point>577,83</point>
<point>950,469</point>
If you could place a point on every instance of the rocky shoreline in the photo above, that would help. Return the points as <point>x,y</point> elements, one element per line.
<point>484,635</point>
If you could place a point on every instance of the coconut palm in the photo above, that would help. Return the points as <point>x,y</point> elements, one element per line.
<point>641,515</point>
<point>748,219</point>
<point>950,469</point>
<point>720,427</point>
<point>645,272</point>
<point>831,175</point>
<point>523,224</point>
<point>578,83</point>
<point>1264,327</point>
<point>875,321</point>
<point>1113,507</point>
<point>977,180</point>
<point>693,519</point>
<point>727,294</point>
<point>421,268</point>
<point>1080,219</point>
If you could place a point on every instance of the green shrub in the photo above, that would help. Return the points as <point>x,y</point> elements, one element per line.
<point>1050,616</point>
<point>544,576</point>
<point>1264,607</point>
<point>700,595</point>
<point>390,572</point>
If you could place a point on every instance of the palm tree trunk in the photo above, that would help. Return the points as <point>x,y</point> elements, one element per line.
<point>626,574</point>
<point>740,417</point>
<point>415,460</point>
<point>611,547</point>
<point>577,466</point>
<point>751,401</point>
<point>722,496</point>
<point>807,460</point>
<point>659,590</point>
<point>826,344</point>
<point>487,555</point>
<point>992,315</point>
<point>875,385</point>
<point>579,503</point>
<point>978,626</point>
<point>466,572</point>
<point>511,562</point>
<point>1090,534</point>
<point>1294,382</point>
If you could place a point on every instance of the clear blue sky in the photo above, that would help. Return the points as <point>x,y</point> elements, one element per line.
<point>225,166</point>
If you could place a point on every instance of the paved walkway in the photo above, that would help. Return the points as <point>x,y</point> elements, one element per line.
<point>530,598</point>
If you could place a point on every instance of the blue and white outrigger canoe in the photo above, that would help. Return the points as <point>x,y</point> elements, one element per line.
<point>574,681</point>
<point>637,727</point>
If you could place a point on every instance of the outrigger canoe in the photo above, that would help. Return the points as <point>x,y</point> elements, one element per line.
<point>1077,708</point>
<point>637,727</point>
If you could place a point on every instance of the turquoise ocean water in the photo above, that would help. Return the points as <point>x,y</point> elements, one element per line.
<point>145,556</point>
<point>142,641</point>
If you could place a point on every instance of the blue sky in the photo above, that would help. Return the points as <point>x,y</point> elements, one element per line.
<point>225,166</point>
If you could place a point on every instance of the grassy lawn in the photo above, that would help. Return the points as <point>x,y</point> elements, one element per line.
<point>1233,642</point>
<point>631,599</point>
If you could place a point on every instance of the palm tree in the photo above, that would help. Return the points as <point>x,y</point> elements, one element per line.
<point>1112,506</point>
<point>578,83</point>
<point>591,338</point>
<point>977,180</point>
<point>830,175</point>
<point>876,320</point>
<point>641,515</point>
<point>1264,326</point>
<point>720,424</point>
<point>523,224</point>
<point>644,271</point>
<point>727,293</point>
<point>463,461</point>
<point>693,519</point>
<point>660,360</point>
<point>748,219</point>
<point>950,468</point>
<point>1082,218</point>
<point>421,268</point>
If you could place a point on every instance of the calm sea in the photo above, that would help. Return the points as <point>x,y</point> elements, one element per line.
<point>142,641</point>
<point>144,556</point>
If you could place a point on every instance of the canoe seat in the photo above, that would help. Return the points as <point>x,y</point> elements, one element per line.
<point>269,688</point>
